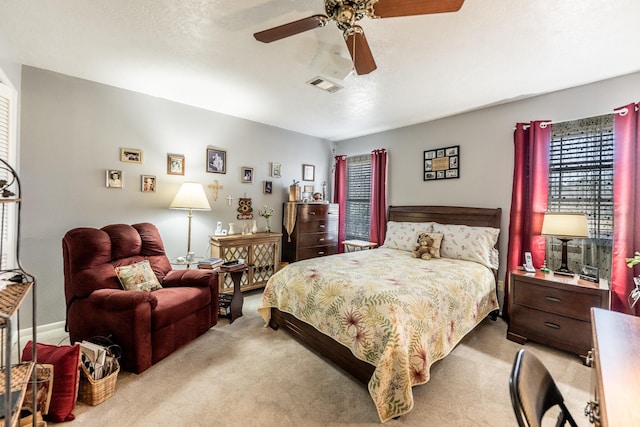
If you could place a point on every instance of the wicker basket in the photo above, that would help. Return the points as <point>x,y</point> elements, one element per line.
<point>94,392</point>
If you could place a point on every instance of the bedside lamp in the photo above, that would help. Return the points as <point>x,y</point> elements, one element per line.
<point>190,197</point>
<point>565,226</point>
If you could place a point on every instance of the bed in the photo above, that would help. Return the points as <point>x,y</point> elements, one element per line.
<point>384,316</point>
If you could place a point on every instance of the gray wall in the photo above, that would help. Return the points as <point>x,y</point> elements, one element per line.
<point>486,147</point>
<point>72,130</point>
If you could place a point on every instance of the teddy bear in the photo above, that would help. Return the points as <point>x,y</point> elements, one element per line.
<point>424,249</point>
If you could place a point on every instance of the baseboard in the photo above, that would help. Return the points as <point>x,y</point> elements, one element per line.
<point>42,329</point>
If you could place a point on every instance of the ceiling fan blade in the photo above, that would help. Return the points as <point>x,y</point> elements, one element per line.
<point>359,49</point>
<point>292,28</point>
<point>393,8</point>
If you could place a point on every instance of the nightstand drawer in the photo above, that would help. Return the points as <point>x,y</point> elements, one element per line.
<point>553,300</point>
<point>548,328</point>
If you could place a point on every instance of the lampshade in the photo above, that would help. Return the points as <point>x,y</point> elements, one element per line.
<point>565,225</point>
<point>191,196</point>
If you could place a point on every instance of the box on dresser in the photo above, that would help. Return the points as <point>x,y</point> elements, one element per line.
<point>554,310</point>
<point>310,230</point>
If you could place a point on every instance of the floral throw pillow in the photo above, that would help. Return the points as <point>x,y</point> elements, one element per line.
<point>138,277</point>
<point>404,235</point>
<point>469,243</point>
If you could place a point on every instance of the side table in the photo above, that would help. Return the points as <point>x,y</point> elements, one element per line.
<point>358,245</point>
<point>235,271</point>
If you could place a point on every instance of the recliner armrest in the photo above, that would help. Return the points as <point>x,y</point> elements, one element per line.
<point>121,300</point>
<point>198,278</point>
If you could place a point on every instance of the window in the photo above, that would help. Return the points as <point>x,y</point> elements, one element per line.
<point>7,143</point>
<point>581,180</point>
<point>358,215</point>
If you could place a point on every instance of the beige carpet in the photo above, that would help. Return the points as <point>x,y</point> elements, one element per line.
<point>246,375</point>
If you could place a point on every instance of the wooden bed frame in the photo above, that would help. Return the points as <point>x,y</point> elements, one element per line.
<point>338,353</point>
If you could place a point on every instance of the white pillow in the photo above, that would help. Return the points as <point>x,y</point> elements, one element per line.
<point>469,243</point>
<point>404,235</point>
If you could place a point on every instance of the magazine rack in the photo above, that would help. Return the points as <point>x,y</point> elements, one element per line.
<point>15,284</point>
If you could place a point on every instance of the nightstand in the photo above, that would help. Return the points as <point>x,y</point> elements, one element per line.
<point>554,310</point>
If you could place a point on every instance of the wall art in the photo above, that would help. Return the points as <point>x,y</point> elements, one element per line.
<point>216,161</point>
<point>442,163</point>
<point>175,164</point>
<point>114,178</point>
<point>130,155</point>
<point>148,183</point>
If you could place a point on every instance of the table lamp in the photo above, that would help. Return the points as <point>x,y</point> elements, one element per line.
<point>190,197</point>
<point>565,226</point>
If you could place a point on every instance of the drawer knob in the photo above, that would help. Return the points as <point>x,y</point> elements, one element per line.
<point>312,213</point>
<point>551,325</point>
<point>320,252</point>
<point>553,299</point>
<point>321,239</point>
<point>322,226</point>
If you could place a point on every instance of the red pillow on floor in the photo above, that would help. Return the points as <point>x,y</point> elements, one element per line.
<point>66,376</point>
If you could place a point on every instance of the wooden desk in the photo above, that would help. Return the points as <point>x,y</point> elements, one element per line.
<point>616,358</point>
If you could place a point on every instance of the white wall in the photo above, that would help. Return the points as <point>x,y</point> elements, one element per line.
<point>72,130</point>
<point>486,147</point>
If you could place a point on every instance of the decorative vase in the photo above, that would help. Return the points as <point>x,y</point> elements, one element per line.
<point>254,229</point>
<point>268,228</point>
<point>232,229</point>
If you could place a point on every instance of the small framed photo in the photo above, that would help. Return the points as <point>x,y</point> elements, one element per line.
<point>175,164</point>
<point>586,272</point>
<point>308,189</point>
<point>216,161</point>
<point>267,187</point>
<point>308,173</point>
<point>246,174</point>
<point>148,183</point>
<point>130,155</point>
<point>114,178</point>
<point>276,170</point>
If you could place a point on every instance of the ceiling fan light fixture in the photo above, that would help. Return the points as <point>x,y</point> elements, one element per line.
<point>324,84</point>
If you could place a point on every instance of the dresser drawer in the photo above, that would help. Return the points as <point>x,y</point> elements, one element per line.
<point>318,226</point>
<point>316,239</point>
<point>553,300</point>
<point>317,251</point>
<point>548,328</point>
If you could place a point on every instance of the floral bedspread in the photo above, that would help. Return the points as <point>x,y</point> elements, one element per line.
<point>396,312</point>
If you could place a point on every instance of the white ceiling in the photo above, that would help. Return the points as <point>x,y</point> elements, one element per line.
<point>202,53</point>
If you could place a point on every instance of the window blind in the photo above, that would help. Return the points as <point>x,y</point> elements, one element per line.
<point>581,172</point>
<point>358,216</point>
<point>7,233</point>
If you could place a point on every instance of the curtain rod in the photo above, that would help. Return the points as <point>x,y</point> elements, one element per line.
<point>622,111</point>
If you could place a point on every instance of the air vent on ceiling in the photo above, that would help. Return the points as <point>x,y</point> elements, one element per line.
<point>324,84</point>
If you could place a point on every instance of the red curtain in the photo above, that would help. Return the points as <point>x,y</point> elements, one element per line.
<point>377,228</point>
<point>528,197</point>
<point>626,205</point>
<point>340,197</point>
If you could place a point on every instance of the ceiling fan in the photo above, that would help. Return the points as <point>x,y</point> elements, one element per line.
<point>347,12</point>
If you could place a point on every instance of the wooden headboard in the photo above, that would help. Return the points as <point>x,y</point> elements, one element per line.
<point>477,217</point>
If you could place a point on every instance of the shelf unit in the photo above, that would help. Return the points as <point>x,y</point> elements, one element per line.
<point>15,285</point>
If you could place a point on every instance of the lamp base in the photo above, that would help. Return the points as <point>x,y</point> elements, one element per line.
<point>563,272</point>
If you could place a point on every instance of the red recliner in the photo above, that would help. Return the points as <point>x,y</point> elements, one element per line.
<point>148,326</point>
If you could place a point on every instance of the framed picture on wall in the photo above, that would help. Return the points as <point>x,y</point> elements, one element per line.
<point>148,183</point>
<point>246,175</point>
<point>114,178</point>
<point>175,164</point>
<point>276,170</point>
<point>216,161</point>
<point>130,155</point>
<point>442,163</point>
<point>268,187</point>
<point>308,172</point>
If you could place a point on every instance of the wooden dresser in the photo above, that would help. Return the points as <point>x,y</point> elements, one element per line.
<point>310,230</point>
<point>554,310</point>
<point>260,252</point>
<point>616,379</point>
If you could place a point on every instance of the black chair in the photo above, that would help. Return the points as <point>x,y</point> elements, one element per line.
<point>533,392</point>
